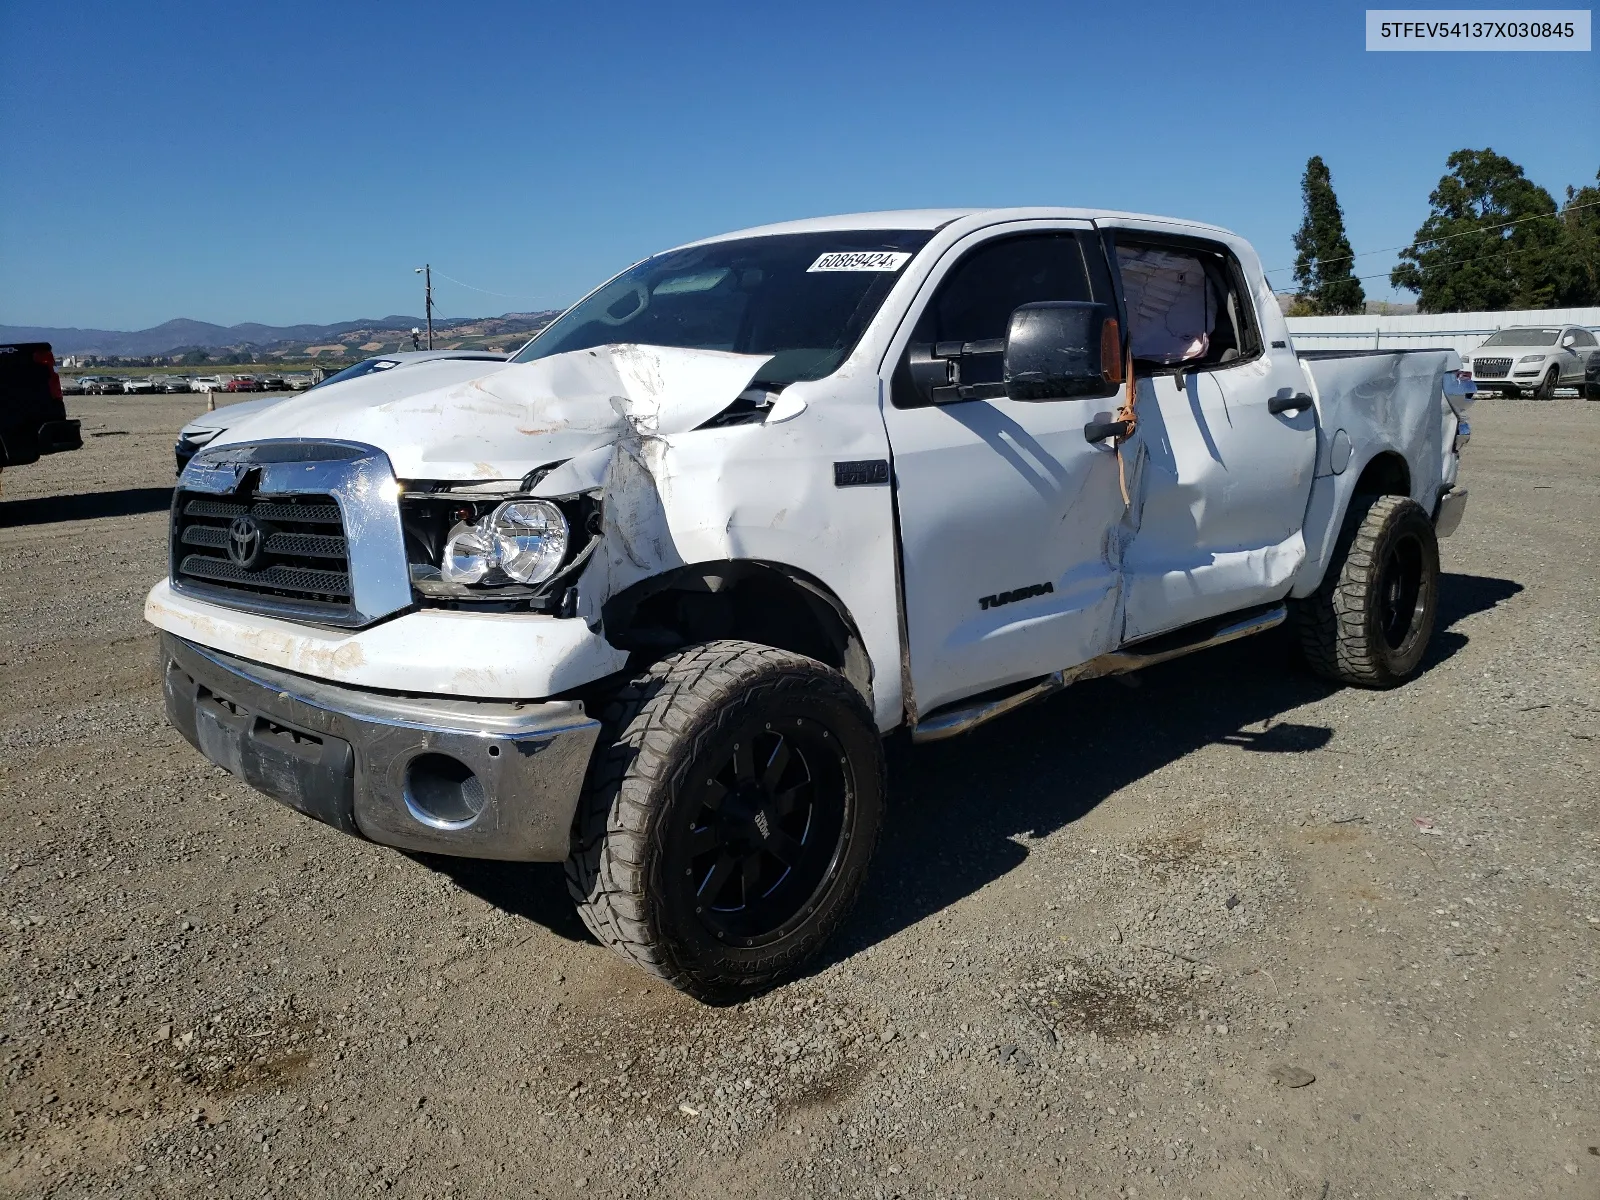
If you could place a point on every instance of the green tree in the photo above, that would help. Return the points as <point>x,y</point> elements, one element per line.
<point>195,358</point>
<point>1324,272</point>
<point>1580,221</point>
<point>1483,247</point>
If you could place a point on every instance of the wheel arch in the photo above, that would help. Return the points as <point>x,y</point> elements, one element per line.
<point>769,603</point>
<point>1385,473</point>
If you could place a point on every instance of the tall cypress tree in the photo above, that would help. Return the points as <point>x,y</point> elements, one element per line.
<point>1324,267</point>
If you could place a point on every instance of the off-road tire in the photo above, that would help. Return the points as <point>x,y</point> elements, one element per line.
<point>1547,386</point>
<point>1343,631</point>
<point>659,733</point>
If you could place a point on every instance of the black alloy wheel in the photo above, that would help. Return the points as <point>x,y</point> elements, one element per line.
<point>1400,591</point>
<point>770,813</point>
<point>1547,386</point>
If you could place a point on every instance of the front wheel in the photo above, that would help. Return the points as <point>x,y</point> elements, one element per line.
<point>732,806</point>
<point>1547,386</point>
<point>1370,622</point>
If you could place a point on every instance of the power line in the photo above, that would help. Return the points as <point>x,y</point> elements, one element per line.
<point>1447,237</point>
<point>1457,262</point>
<point>485,291</point>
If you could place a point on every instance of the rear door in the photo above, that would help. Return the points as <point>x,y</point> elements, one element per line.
<point>1224,479</point>
<point>1006,513</point>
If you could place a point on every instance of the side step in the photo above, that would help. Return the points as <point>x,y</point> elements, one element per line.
<point>967,715</point>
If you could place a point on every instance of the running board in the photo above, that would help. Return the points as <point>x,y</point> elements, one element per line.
<point>966,716</point>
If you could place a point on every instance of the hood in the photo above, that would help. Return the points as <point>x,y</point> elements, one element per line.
<point>230,414</point>
<point>521,416</point>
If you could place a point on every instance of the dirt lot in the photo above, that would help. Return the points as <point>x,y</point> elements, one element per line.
<point>1103,939</point>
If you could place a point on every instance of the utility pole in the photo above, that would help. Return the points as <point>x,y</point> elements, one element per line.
<point>426,271</point>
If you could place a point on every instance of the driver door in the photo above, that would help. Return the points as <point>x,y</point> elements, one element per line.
<point>1007,514</point>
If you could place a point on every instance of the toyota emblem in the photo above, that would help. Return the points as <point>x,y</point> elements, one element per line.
<point>244,542</point>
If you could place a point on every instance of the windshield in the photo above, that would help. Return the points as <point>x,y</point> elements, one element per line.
<point>803,298</point>
<point>1524,337</point>
<point>360,369</point>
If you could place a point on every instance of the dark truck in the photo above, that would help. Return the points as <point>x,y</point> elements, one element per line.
<point>33,416</point>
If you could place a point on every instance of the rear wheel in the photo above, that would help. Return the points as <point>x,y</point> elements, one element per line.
<point>732,807</point>
<point>1370,622</point>
<point>1547,386</point>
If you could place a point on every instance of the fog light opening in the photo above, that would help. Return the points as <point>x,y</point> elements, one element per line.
<point>443,792</point>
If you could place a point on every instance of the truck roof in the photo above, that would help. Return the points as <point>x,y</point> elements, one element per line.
<point>937,218</point>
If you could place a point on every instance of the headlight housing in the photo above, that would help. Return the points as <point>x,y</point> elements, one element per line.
<point>1527,358</point>
<point>530,538</point>
<point>524,540</point>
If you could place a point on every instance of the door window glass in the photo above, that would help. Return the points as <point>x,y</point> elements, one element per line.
<point>975,301</point>
<point>1185,307</point>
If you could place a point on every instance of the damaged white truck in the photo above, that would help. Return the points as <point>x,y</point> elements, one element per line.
<point>647,599</point>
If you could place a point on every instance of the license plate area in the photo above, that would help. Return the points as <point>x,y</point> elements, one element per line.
<point>310,772</point>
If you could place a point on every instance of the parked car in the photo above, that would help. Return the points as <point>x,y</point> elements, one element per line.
<point>100,385</point>
<point>647,599</point>
<point>33,414</point>
<point>299,383</point>
<point>443,366</point>
<point>1591,376</point>
<point>242,383</point>
<point>170,384</point>
<point>1536,359</point>
<point>274,383</point>
<point>142,385</point>
<point>208,383</point>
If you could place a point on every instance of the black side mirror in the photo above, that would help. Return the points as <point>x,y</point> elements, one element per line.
<point>1062,350</point>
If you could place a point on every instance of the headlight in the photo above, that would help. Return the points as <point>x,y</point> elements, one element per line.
<point>522,540</point>
<point>469,555</point>
<point>531,537</point>
<point>1531,358</point>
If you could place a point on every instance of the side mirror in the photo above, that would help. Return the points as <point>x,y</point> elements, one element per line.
<point>1568,342</point>
<point>1062,350</point>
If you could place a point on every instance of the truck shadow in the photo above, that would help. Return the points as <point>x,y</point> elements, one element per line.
<point>957,809</point>
<point>90,506</point>
<point>961,811</point>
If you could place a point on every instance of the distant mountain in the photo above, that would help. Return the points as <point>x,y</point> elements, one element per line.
<point>184,334</point>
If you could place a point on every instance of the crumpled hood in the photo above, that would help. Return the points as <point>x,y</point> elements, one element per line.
<point>519,417</point>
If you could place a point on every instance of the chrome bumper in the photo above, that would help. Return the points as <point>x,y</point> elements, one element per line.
<point>1451,506</point>
<point>482,779</point>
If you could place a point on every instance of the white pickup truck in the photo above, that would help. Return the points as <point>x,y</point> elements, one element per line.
<point>648,599</point>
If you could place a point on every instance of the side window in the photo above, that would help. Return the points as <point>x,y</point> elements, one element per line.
<point>1585,338</point>
<point>975,300</point>
<point>1186,305</point>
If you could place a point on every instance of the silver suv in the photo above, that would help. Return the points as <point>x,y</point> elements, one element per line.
<point>1536,358</point>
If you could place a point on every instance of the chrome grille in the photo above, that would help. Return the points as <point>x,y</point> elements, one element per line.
<point>1490,368</point>
<point>291,548</point>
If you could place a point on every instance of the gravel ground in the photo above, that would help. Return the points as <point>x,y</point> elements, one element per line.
<point>1106,945</point>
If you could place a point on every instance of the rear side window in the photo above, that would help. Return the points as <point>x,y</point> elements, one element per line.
<point>1186,305</point>
<point>1584,338</point>
<point>975,300</point>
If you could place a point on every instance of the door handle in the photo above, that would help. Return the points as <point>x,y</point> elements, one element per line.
<point>1099,431</point>
<point>1283,404</point>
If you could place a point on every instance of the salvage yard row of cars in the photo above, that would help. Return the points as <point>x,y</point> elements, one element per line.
<point>150,385</point>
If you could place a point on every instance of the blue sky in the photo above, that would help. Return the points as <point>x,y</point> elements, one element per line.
<point>294,161</point>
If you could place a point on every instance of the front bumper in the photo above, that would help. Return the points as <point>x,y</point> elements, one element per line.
<point>481,779</point>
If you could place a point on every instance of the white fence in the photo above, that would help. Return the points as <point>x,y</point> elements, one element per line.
<point>1459,331</point>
